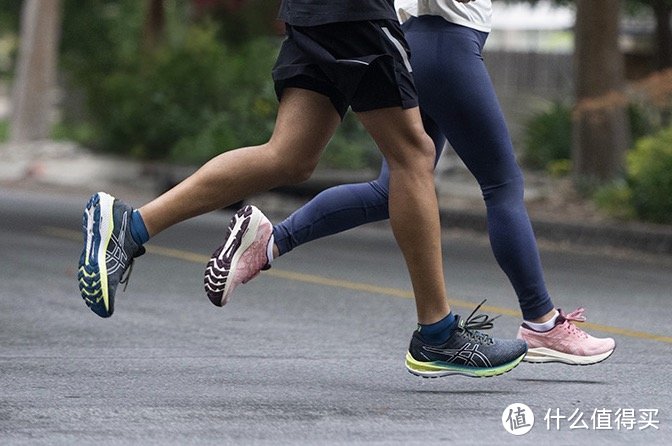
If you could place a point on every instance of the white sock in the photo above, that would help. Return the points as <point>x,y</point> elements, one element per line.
<point>269,249</point>
<point>543,326</point>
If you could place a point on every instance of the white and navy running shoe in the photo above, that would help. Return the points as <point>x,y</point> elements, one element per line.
<point>109,250</point>
<point>242,256</point>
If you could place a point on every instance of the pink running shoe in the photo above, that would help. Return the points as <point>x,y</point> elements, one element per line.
<point>242,256</point>
<point>565,342</point>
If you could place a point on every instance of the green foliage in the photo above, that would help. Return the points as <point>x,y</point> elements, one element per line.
<point>548,137</point>
<point>10,12</point>
<point>643,121</point>
<point>351,147</point>
<point>646,192</point>
<point>649,169</point>
<point>253,18</point>
<point>192,98</point>
<point>98,36</point>
<point>616,200</point>
<point>79,132</point>
<point>4,130</point>
<point>177,92</point>
<point>559,168</point>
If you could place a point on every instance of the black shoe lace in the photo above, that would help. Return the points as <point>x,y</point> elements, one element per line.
<point>479,322</point>
<point>127,275</point>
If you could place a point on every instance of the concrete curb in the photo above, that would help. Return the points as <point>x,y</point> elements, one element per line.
<point>71,167</point>
<point>652,239</point>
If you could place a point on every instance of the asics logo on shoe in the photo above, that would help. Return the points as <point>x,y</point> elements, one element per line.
<point>116,257</point>
<point>468,354</point>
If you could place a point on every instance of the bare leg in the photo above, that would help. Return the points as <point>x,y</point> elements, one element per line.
<point>413,206</point>
<point>306,121</point>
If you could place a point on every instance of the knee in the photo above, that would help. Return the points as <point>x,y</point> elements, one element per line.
<point>417,154</point>
<point>301,172</point>
<point>294,170</point>
<point>504,192</point>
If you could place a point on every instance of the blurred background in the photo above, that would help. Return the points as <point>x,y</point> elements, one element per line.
<point>586,87</point>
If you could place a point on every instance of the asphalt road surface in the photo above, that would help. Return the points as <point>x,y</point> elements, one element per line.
<point>310,352</point>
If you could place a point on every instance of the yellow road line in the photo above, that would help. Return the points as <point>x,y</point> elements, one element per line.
<point>364,287</point>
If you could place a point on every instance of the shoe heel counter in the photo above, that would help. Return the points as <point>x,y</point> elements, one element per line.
<point>414,346</point>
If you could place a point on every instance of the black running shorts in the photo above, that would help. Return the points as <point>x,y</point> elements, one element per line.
<point>363,65</point>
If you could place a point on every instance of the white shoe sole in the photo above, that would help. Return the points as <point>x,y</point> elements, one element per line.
<point>219,280</point>
<point>543,355</point>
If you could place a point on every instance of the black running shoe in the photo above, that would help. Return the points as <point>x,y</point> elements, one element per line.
<point>109,250</point>
<point>467,352</point>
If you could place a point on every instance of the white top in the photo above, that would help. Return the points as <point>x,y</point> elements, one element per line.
<point>476,14</point>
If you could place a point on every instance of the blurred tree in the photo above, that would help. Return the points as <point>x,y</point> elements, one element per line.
<point>154,25</point>
<point>600,130</point>
<point>35,77</point>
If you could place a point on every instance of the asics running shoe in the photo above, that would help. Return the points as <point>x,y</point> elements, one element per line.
<point>467,352</point>
<point>242,256</point>
<point>108,251</point>
<point>565,342</point>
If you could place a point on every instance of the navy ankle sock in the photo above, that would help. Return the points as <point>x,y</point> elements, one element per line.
<point>138,228</point>
<point>438,332</point>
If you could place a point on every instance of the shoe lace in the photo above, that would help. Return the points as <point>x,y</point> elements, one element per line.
<point>127,275</point>
<point>574,316</point>
<point>474,322</point>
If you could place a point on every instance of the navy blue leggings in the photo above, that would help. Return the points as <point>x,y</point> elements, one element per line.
<point>458,102</point>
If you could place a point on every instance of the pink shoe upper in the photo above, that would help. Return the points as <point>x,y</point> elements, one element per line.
<point>255,258</point>
<point>566,337</point>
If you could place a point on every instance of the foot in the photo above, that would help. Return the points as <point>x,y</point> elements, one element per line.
<point>108,251</point>
<point>467,352</point>
<point>242,256</point>
<point>565,342</point>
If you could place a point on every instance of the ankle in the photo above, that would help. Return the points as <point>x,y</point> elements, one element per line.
<point>545,322</point>
<point>438,332</point>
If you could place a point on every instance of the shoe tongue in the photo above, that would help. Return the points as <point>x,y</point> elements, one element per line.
<point>460,322</point>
